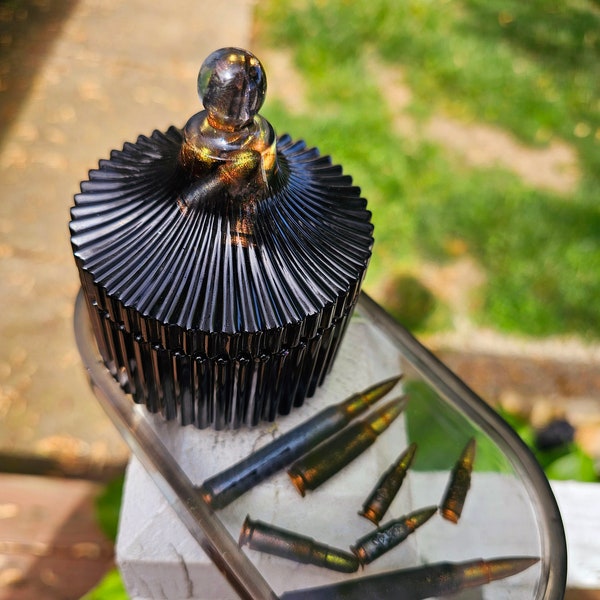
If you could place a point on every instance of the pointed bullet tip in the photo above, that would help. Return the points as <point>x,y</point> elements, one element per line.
<point>422,516</point>
<point>378,390</point>
<point>468,454</point>
<point>383,417</point>
<point>392,381</point>
<point>410,452</point>
<point>505,567</point>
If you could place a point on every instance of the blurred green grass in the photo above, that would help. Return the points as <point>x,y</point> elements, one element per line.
<point>532,69</point>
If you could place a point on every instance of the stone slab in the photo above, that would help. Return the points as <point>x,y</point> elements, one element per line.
<point>114,70</point>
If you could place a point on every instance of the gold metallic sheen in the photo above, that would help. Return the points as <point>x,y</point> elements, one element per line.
<point>224,487</point>
<point>459,484</point>
<point>328,458</point>
<point>376,505</point>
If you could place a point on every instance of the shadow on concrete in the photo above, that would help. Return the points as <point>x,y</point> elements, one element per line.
<point>52,546</point>
<point>28,28</point>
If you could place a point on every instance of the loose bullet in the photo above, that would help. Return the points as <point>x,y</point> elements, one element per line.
<point>376,505</point>
<point>459,484</point>
<point>292,546</point>
<point>326,460</point>
<point>375,544</point>
<point>438,579</point>
<point>225,487</point>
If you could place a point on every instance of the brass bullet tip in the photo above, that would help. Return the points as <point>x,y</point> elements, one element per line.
<point>360,402</point>
<point>381,389</point>
<point>505,567</point>
<point>480,572</point>
<point>382,418</point>
<point>417,518</point>
<point>467,458</point>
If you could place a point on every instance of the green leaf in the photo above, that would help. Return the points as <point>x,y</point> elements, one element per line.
<point>108,506</point>
<point>110,587</point>
<point>576,466</point>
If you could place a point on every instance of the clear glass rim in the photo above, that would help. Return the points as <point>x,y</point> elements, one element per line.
<point>456,392</point>
<point>213,537</point>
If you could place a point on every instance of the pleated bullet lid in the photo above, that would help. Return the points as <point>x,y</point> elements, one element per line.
<point>220,263</point>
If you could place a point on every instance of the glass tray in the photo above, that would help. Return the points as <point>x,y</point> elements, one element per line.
<point>509,511</point>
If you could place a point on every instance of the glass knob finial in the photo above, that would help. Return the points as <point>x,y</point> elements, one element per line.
<point>232,85</point>
<point>228,149</point>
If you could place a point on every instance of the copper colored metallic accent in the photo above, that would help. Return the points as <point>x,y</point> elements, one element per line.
<point>286,544</point>
<point>439,579</point>
<point>229,149</point>
<point>373,545</point>
<point>327,459</point>
<point>387,487</point>
<point>223,488</point>
<point>459,484</point>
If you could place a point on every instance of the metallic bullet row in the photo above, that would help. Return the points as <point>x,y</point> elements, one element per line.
<point>294,546</point>
<point>317,450</point>
<point>335,444</point>
<point>225,487</point>
<point>314,470</point>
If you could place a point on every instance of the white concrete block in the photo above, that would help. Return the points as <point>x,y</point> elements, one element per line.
<point>579,505</point>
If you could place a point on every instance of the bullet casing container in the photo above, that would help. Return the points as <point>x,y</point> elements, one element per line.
<point>220,263</point>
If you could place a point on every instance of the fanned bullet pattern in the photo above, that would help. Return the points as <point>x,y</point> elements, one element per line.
<point>227,314</point>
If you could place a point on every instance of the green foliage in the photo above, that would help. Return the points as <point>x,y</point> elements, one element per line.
<point>573,465</point>
<point>410,302</point>
<point>108,506</point>
<point>440,429</point>
<point>530,68</point>
<point>565,462</point>
<point>442,433</point>
<point>110,587</point>
<point>541,254</point>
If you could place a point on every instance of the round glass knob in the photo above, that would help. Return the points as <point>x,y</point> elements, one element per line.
<point>232,85</point>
